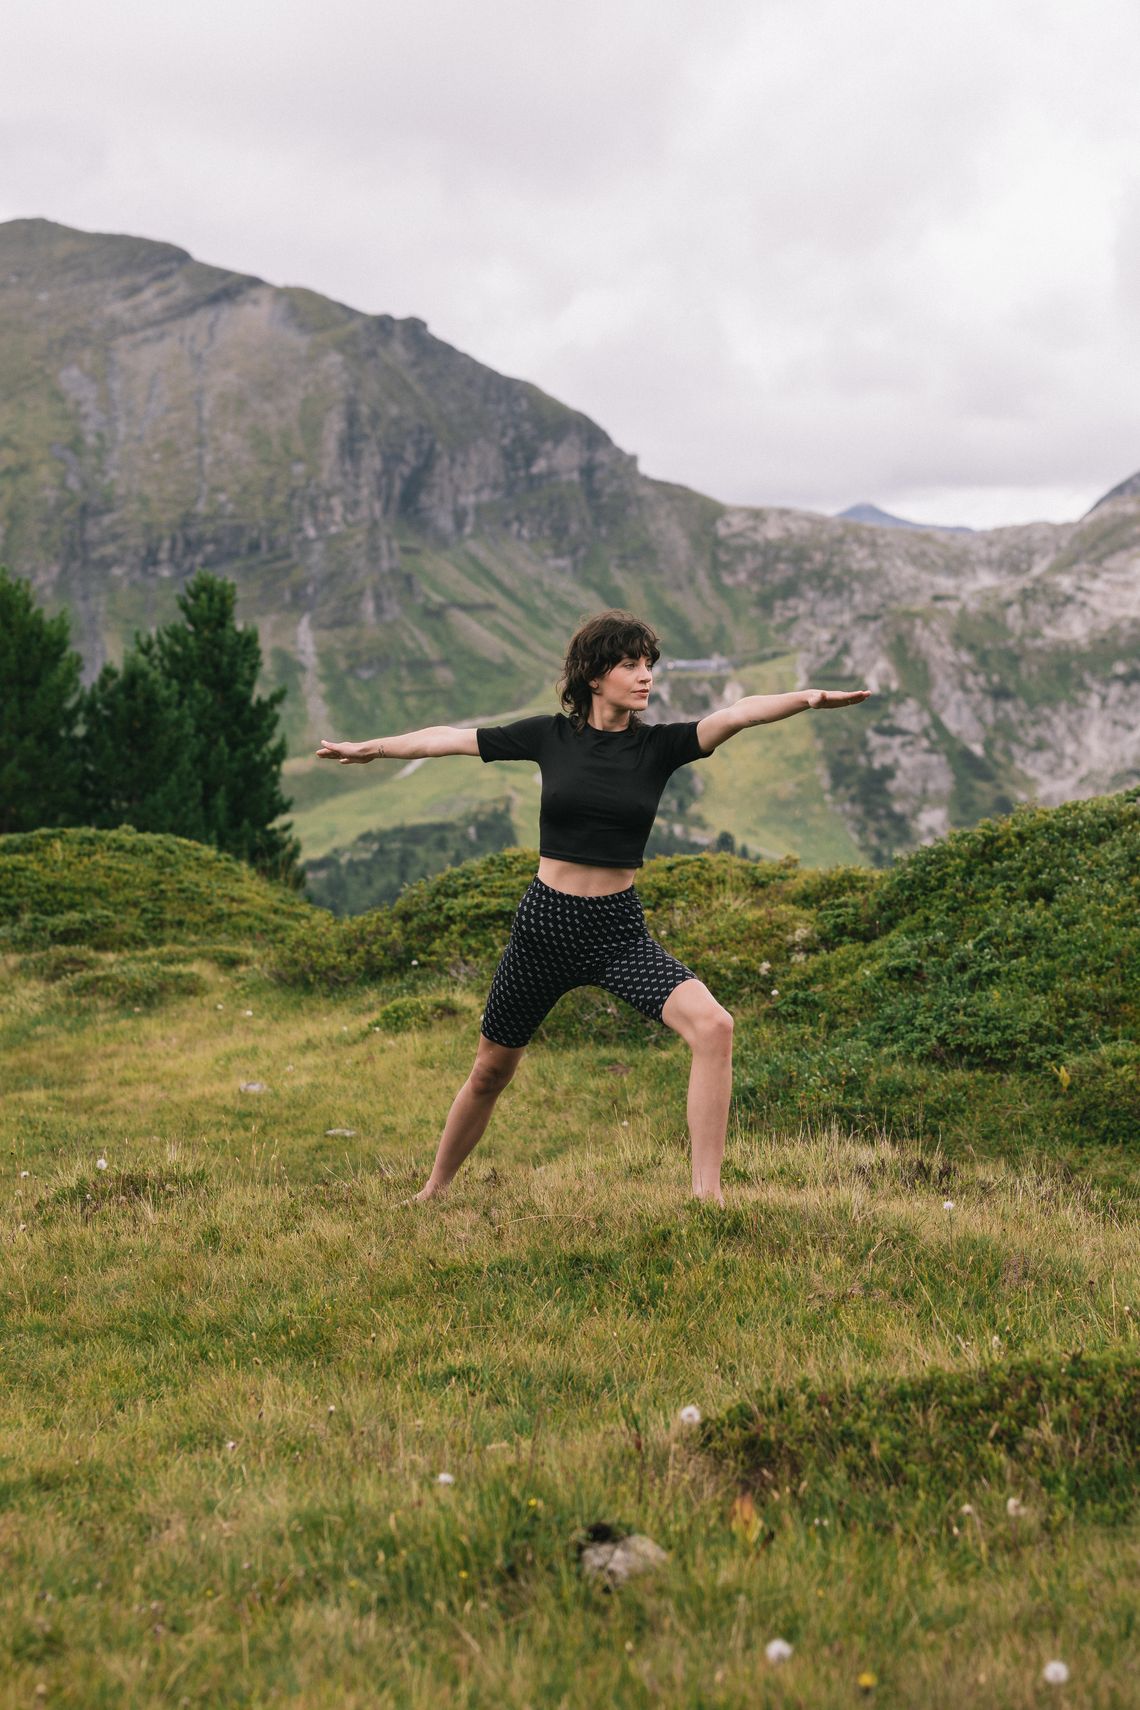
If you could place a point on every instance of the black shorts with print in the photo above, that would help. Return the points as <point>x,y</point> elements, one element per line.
<point>559,941</point>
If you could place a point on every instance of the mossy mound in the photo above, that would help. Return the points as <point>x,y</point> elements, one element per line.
<point>1066,1426</point>
<point>404,1014</point>
<point>125,890</point>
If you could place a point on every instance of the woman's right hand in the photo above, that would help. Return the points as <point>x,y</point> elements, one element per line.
<point>348,753</point>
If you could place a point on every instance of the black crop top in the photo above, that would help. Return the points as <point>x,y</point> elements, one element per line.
<point>600,788</point>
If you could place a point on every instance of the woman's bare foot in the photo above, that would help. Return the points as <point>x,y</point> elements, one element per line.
<point>714,1197</point>
<point>428,1191</point>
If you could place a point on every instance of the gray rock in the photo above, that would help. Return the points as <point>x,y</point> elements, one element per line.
<point>616,1562</point>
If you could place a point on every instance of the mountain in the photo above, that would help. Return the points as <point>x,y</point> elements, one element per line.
<point>1129,489</point>
<point>883,519</point>
<point>416,536</point>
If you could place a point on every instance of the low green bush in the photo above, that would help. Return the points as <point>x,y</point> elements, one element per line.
<point>135,983</point>
<point>59,961</point>
<point>1099,1094</point>
<point>93,928</point>
<point>403,1014</point>
<point>1069,1425</point>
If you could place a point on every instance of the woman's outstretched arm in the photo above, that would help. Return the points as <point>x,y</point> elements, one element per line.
<point>411,745</point>
<point>717,727</point>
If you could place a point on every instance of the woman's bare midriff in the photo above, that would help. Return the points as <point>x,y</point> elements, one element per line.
<point>582,881</point>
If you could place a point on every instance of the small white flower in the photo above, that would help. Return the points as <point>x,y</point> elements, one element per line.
<point>219,1006</point>
<point>24,1175</point>
<point>765,967</point>
<point>415,961</point>
<point>231,1445</point>
<point>247,1012</point>
<point>690,1415</point>
<point>1055,1673</point>
<point>446,1478</point>
<point>966,1508</point>
<point>995,1342</point>
<point>100,1163</point>
<point>777,1650</point>
<point>775,993</point>
<point>947,1205</point>
<point>1015,1507</point>
<point>332,1407</point>
<point>624,1123</point>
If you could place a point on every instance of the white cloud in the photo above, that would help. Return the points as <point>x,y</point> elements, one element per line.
<point>787,252</point>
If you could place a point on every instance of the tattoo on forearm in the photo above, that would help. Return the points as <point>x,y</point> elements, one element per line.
<point>380,753</point>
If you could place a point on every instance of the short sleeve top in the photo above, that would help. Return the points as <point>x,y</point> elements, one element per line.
<point>600,788</point>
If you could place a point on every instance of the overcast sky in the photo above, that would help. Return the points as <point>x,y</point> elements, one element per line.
<point>800,252</point>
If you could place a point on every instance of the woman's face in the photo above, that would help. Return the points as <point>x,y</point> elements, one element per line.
<point>627,683</point>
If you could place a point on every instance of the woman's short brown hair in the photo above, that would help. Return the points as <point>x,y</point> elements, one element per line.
<point>598,644</point>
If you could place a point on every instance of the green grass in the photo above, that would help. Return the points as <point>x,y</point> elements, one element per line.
<point>237,1277</point>
<point>233,1366</point>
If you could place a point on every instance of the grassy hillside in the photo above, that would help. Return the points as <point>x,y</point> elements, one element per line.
<point>233,1367</point>
<point>983,990</point>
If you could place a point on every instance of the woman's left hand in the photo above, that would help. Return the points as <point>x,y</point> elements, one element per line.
<point>822,700</point>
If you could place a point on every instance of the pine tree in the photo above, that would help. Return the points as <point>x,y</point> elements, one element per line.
<point>213,667</point>
<point>138,753</point>
<point>39,710</point>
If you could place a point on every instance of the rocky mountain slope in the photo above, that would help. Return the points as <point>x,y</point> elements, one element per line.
<point>416,535</point>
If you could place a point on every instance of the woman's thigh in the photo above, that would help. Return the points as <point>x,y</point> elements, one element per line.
<point>529,980</point>
<point>643,973</point>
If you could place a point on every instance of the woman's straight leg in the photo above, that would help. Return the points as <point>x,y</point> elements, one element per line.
<point>470,1112</point>
<point>706,1026</point>
<point>535,968</point>
<point>640,970</point>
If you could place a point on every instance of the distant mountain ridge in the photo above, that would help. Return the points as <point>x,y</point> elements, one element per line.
<point>416,536</point>
<point>1129,489</point>
<point>865,513</point>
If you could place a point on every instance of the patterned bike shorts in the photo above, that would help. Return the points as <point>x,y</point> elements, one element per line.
<point>559,941</point>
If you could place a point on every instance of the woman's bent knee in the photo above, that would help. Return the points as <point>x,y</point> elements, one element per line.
<point>494,1066</point>
<point>714,1027</point>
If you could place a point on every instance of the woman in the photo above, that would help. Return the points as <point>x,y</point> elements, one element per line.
<point>580,921</point>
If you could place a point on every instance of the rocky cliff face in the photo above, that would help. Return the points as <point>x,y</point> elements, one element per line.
<point>1006,662</point>
<point>407,527</point>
